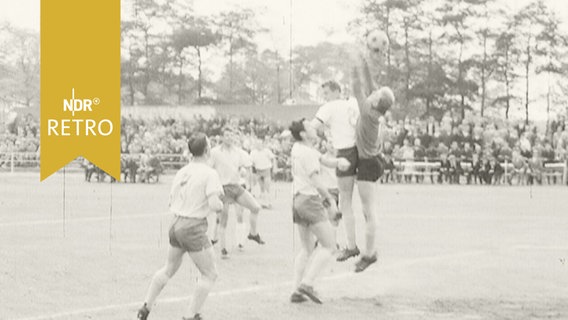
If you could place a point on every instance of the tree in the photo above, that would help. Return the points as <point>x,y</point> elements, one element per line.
<point>311,65</point>
<point>431,81</point>
<point>237,29</point>
<point>19,62</point>
<point>551,43</point>
<point>275,65</point>
<point>484,26</point>
<point>142,43</point>
<point>258,78</point>
<point>128,66</point>
<point>406,15</point>
<point>506,55</point>
<point>528,24</point>
<point>197,35</point>
<point>454,20</point>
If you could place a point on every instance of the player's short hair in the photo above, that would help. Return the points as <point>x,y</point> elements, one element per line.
<point>332,85</point>
<point>296,127</point>
<point>197,144</point>
<point>386,98</point>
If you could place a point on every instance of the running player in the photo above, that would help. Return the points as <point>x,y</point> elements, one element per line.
<point>228,159</point>
<point>263,160</point>
<point>240,229</point>
<point>309,212</point>
<point>195,194</point>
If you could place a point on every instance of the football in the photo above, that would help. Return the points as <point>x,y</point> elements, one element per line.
<point>377,41</point>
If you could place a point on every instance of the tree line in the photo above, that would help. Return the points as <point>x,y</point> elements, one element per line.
<point>464,54</point>
<point>443,55</point>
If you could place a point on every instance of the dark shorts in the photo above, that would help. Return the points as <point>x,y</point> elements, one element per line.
<point>232,192</point>
<point>366,169</point>
<point>189,234</point>
<point>352,156</point>
<point>308,210</point>
<point>370,169</point>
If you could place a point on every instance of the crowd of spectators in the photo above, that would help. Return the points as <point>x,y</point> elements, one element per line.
<point>468,150</point>
<point>167,136</point>
<point>473,149</point>
<point>20,140</point>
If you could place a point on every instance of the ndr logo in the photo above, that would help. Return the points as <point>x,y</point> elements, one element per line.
<point>79,105</point>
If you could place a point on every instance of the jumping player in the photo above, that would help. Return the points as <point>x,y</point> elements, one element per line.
<point>340,117</point>
<point>364,155</point>
<point>194,195</point>
<point>370,165</point>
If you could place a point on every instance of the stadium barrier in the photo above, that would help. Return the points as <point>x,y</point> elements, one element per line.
<point>13,160</point>
<point>555,171</point>
<point>551,171</point>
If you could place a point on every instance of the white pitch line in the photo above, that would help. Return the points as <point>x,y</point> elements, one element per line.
<point>253,288</point>
<point>150,215</point>
<point>534,247</point>
<point>75,220</point>
<point>468,218</point>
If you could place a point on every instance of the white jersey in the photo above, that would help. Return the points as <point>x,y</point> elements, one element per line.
<point>228,161</point>
<point>328,177</point>
<point>340,116</point>
<point>305,162</point>
<point>191,188</point>
<point>262,159</point>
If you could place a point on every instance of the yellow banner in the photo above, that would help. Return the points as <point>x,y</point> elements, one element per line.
<point>80,84</point>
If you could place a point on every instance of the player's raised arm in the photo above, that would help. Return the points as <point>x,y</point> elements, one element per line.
<point>357,85</point>
<point>365,65</point>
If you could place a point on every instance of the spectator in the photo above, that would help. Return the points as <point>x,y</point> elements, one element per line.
<point>495,171</point>
<point>444,171</point>
<point>407,152</point>
<point>547,153</point>
<point>454,169</point>
<point>519,168</point>
<point>534,170</point>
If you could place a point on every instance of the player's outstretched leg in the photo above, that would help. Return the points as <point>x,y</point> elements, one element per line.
<point>368,192</point>
<point>205,263</point>
<point>318,260</point>
<point>160,279</point>
<point>221,230</point>
<point>240,232</point>
<point>249,202</point>
<point>345,207</point>
<point>301,261</point>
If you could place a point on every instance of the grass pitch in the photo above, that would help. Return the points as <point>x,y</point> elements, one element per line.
<point>76,250</point>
